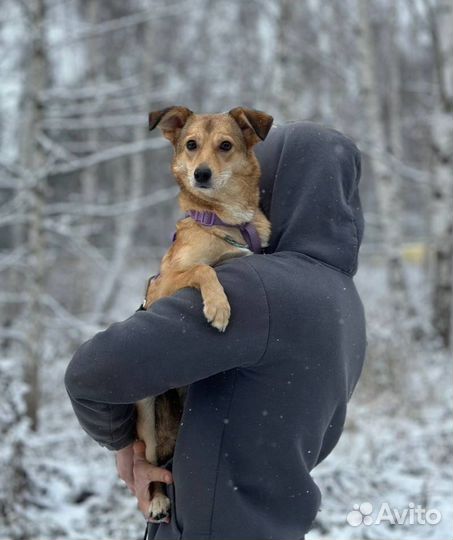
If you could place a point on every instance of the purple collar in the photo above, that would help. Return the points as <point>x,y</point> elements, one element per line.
<point>248,230</point>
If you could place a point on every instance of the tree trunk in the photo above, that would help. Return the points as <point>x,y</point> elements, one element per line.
<point>89,175</point>
<point>32,159</point>
<point>125,225</point>
<point>282,73</point>
<point>441,23</point>
<point>199,78</point>
<point>388,183</point>
<point>22,406</point>
<point>324,43</point>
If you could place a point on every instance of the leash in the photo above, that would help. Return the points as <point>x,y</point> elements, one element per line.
<point>142,305</point>
<point>147,530</point>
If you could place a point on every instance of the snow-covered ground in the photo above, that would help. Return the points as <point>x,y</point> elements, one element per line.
<point>396,448</point>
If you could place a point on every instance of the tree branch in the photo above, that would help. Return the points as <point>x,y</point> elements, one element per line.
<point>109,210</point>
<point>106,155</point>
<point>127,21</point>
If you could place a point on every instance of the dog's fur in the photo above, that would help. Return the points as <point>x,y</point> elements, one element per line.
<point>232,192</point>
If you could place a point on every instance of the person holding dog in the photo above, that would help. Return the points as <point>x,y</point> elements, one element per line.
<point>267,399</point>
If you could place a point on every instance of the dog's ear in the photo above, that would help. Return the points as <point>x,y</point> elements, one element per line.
<point>170,120</point>
<point>255,125</point>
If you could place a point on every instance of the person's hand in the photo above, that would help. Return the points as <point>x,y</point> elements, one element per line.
<point>125,466</point>
<point>139,473</point>
<point>144,474</point>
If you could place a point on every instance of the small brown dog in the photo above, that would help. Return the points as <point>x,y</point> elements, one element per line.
<point>219,175</point>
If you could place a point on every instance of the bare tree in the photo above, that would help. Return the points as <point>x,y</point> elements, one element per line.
<point>129,184</point>
<point>33,160</point>
<point>23,333</point>
<point>387,181</point>
<point>283,84</point>
<point>89,175</point>
<point>441,23</point>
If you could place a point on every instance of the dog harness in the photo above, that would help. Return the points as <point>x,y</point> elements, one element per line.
<point>209,219</point>
<point>248,230</point>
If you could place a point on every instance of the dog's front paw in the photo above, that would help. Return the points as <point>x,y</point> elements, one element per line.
<point>159,509</point>
<point>217,313</point>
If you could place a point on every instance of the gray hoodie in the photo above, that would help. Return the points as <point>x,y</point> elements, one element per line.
<point>267,399</point>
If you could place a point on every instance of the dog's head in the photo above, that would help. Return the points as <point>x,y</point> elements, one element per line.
<point>213,152</point>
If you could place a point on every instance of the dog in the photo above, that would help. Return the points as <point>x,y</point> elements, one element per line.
<point>218,175</point>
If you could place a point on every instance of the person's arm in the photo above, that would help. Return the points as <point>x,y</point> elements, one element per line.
<point>169,346</point>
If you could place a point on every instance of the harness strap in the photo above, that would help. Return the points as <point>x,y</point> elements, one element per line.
<point>248,230</point>
<point>210,219</point>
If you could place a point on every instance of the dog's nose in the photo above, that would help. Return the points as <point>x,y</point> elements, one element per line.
<point>202,174</point>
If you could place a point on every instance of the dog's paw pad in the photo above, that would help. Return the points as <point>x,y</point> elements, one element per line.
<point>159,509</point>
<point>218,314</point>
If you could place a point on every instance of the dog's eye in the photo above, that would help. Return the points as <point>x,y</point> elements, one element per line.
<point>191,145</point>
<point>225,146</point>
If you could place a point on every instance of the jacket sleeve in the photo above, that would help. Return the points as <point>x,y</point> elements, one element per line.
<point>169,346</point>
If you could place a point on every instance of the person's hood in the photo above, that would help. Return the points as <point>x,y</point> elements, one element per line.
<point>309,191</point>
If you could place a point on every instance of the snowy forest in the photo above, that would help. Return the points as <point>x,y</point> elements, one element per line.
<point>88,206</point>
